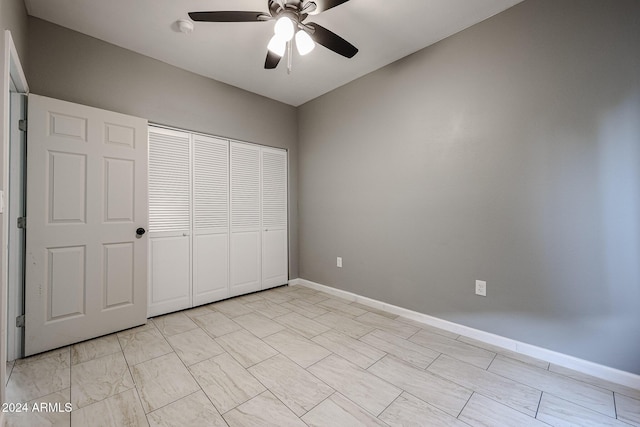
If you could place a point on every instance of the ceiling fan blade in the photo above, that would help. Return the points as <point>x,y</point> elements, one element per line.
<point>332,41</point>
<point>272,60</point>
<point>231,16</point>
<point>323,5</point>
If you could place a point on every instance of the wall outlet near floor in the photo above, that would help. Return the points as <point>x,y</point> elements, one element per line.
<point>339,262</point>
<point>481,288</point>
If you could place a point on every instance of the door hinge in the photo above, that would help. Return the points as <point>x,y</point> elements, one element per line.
<point>20,321</point>
<point>22,222</point>
<point>22,125</point>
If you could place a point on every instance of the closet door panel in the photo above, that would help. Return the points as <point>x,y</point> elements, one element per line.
<point>169,275</point>
<point>245,243</point>
<point>210,268</point>
<point>169,221</point>
<point>274,258</point>
<point>210,219</point>
<point>274,218</point>
<point>245,266</point>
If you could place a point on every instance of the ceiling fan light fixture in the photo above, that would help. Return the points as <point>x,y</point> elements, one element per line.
<point>304,42</point>
<point>284,28</point>
<point>289,18</point>
<point>277,45</point>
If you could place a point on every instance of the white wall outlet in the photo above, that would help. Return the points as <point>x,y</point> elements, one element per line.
<point>481,288</point>
<point>339,262</point>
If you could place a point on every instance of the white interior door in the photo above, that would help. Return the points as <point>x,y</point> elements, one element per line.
<point>210,219</point>
<point>245,244</point>
<point>169,220</point>
<point>274,218</point>
<point>86,271</point>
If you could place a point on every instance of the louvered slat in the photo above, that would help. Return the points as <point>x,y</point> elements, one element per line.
<point>169,181</point>
<point>210,182</point>
<point>274,188</point>
<point>245,186</point>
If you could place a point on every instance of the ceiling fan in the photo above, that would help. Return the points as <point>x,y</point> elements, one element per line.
<point>289,16</point>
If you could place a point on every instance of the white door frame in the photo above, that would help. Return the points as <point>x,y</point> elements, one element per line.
<point>15,204</point>
<point>13,80</point>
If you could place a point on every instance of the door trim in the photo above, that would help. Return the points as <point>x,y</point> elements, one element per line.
<point>14,209</point>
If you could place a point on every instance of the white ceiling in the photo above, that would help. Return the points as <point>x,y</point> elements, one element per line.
<point>383,30</point>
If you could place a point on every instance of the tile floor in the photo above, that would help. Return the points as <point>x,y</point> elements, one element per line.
<point>292,356</point>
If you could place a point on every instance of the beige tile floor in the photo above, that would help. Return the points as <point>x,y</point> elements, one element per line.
<point>292,356</point>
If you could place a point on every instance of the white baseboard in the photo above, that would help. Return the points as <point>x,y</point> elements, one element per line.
<point>590,368</point>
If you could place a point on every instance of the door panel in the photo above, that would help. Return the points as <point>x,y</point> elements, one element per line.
<point>119,190</point>
<point>169,220</point>
<point>118,275</point>
<point>86,273</point>
<point>274,258</point>
<point>210,268</point>
<point>65,285</point>
<point>210,219</point>
<point>274,218</point>
<point>245,265</point>
<point>169,182</point>
<point>67,182</point>
<point>170,275</point>
<point>245,257</point>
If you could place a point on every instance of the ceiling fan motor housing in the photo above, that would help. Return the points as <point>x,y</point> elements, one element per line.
<point>290,9</point>
<point>275,5</point>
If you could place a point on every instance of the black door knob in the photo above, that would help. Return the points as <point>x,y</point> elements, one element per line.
<point>140,231</point>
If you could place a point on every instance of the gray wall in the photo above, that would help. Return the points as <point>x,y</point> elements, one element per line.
<point>67,65</point>
<point>13,17</point>
<point>510,153</point>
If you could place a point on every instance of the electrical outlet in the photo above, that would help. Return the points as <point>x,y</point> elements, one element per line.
<point>339,262</point>
<point>481,288</point>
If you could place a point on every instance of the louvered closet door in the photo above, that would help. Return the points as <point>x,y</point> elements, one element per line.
<point>210,219</point>
<point>274,218</point>
<point>245,245</point>
<point>169,220</point>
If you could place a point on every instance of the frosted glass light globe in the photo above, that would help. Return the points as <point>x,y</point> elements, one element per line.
<point>284,28</point>
<point>277,45</point>
<point>304,43</point>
